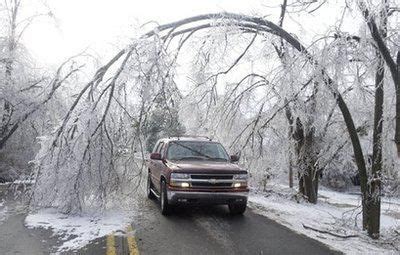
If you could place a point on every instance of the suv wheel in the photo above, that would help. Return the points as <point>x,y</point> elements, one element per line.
<point>149,187</point>
<point>236,209</point>
<point>165,207</point>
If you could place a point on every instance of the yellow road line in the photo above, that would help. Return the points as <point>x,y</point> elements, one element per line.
<point>132,245</point>
<point>111,245</point>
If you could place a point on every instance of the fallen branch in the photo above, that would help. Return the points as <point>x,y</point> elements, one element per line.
<point>329,233</point>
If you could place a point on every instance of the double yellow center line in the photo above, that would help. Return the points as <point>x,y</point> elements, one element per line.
<point>111,245</point>
<point>130,238</point>
<point>132,245</point>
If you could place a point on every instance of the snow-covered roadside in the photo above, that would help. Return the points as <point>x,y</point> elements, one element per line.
<point>77,231</point>
<point>338,213</point>
<point>3,206</point>
<point>3,211</point>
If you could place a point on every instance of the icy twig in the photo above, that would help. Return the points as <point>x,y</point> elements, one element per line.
<point>329,233</point>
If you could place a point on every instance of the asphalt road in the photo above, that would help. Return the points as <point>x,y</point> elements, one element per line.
<point>197,230</point>
<point>211,230</point>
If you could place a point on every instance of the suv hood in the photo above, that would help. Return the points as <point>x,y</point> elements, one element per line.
<point>197,166</point>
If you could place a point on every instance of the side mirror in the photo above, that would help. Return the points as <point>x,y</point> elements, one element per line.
<point>234,158</point>
<point>155,156</point>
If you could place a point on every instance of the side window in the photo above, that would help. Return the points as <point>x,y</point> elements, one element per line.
<point>164,149</point>
<point>155,149</point>
<point>160,148</point>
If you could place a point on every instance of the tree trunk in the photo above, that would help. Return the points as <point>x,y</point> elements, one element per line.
<point>289,118</point>
<point>298,136</point>
<point>374,199</point>
<point>301,184</point>
<point>308,164</point>
<point>309,151</point>
<point>393,65</point>
<point>307,176</point>
<point>374,202</point>
<point>311,186</point>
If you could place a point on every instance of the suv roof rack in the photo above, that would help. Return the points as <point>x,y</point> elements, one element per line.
<point>191,136</point>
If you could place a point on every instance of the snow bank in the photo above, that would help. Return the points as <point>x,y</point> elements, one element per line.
<point>77,231</point>
<point>338,213</point>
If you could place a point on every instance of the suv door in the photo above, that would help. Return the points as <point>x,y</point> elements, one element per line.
<point>157,167</point>
<point>152,166</point>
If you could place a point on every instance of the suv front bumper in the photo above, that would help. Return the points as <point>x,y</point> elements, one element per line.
<point>200,197</point>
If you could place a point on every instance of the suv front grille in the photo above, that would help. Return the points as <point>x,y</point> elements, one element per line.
<point>210,185</point>
<point>212,176</point>
<point>212,180</point>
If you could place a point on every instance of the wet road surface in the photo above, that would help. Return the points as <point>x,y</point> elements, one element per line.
<point>211,230</point>
<point>188,230</point>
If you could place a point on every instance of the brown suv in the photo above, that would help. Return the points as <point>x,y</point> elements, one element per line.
<point>195,170</point>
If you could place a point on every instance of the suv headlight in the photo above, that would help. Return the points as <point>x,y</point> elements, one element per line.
<point>240,180</point>
<point>179,176</point>
<point>180,180</point>
<point>240,177</point>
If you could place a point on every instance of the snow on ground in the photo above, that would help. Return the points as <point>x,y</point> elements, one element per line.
<point>3,206</point>
<point>337,213</point>
<point>77,231</point>
<point>3,211</point>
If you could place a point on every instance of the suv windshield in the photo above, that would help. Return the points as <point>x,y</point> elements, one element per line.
<point>181,150</point>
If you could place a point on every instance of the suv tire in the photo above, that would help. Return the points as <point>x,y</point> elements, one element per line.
<point>149,187</point>
<point>237,209</point>
<point>165,207</point>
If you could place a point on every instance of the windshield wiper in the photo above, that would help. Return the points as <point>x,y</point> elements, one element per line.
<point>191,157</point>
<point>217,158</point>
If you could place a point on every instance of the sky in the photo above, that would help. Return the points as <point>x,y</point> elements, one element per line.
<point>103,26</point>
